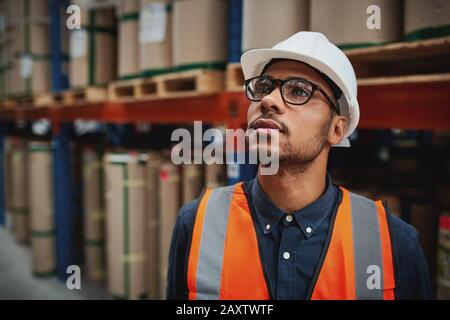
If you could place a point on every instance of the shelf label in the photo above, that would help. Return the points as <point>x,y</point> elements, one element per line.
<point>26,66</point>
<point>78,40</point>
<point>152,23</point>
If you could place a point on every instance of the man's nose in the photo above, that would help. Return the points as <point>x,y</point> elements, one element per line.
<point>272,102</point>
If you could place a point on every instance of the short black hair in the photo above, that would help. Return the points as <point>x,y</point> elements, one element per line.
<point>337,92</point>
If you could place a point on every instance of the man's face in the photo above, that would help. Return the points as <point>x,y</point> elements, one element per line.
<point>304,128</point>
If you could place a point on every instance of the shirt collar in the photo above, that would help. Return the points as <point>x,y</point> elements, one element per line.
<point>309,218</point>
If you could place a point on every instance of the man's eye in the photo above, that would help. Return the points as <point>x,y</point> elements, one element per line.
<point>299,92</point>
<point>263,88</point>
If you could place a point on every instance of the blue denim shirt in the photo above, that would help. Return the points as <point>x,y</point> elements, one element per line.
<point>292,245</point>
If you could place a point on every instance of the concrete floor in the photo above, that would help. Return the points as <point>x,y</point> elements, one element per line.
<point>17,282</point>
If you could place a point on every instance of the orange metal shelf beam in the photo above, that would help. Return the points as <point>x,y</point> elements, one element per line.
<point>404,106</point>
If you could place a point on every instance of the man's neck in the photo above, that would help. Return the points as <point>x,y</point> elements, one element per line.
<point>296,191</point>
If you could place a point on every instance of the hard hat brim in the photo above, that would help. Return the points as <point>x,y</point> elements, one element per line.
<point>254,61</point>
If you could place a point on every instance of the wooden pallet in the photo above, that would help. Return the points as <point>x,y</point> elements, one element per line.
<point>187,83</point>
<point>402,58</point>
<point>7,104</point>
<point>19,102</point>
<point>234,78</point>
<point>84,95</point>
<point>49,99</point>
<point>122,90</point>
<point>411,58</point>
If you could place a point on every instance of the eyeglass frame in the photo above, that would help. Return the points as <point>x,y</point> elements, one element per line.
<point>281,83</point>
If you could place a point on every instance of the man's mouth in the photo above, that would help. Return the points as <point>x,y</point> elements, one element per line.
<point>267,124</point>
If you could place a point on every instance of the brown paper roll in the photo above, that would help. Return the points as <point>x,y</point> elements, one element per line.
<point>94,215</point>
<point>262,27</point>
<point>426,14</point>
<point>169,207</point>
<point>345,22</point>
<point>128,46</point>
<point>126,225</point>
<point>155,160</point>
<point>192,182</point>
<point>199,31</point>
<point>156,56</point>
<point>41,207</point>
<point>18,202</point>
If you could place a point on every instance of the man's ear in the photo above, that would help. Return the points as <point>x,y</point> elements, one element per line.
<point>337,129</point>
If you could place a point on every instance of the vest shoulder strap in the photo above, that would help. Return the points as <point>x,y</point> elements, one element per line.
<point>359,251</point>
<point>224,260</point>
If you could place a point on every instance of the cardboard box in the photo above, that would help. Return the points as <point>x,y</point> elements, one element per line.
<point>155,160</point>
<point>155,37</point>
<point>345,22</point>
<point>125,183</point>
<point>94,214</point>
<point>40,182</point>
<point>169,207</point>
<point>258,29</point>
<point>200,32</point>
<point>128,46</point>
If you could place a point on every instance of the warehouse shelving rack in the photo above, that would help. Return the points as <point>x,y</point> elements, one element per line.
<point>403,101</point>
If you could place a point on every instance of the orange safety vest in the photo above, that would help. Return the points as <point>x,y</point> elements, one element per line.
<point>224,258</point>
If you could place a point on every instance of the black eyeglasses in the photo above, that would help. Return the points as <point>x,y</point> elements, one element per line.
<point>296,91</point>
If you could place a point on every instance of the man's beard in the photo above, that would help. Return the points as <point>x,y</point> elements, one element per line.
<point>295,161</point>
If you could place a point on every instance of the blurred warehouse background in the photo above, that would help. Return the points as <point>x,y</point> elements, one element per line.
<point>88,106</point>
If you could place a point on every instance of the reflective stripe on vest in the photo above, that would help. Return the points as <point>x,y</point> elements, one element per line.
<point>224,260</point>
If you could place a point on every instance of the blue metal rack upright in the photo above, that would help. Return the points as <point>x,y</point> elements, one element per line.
<point>235,31</point>
<point>62,184</point>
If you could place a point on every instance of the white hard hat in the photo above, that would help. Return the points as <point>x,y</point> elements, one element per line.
<point>314,49</point>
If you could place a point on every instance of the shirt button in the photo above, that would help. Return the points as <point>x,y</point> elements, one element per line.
<point>286,255</point>
<point>289,218</point>
<point>308,230</point>
<point>267,227</point>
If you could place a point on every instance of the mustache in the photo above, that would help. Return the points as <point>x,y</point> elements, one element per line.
<point>269,116</point>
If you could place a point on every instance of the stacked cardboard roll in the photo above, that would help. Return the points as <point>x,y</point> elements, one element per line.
<point>214,175</point>
<point>443,263</point>
<point>267,22</point>
<point>125,183</point>
<point>353,23</point>
<point>214,168</point>
<point>34,57</point>
<point>128,46</point>
<point>155,37</point>
<point>94,216</point>
<point>200,24</point>
<point>3,48</point>
<point>7,178</point>
<point>93,47</point>
<point>426,19</point>
<point>155,161</point>
<point>40,182</point>
<point>19,194</point>
<point>13,37</point>
<point>169,205</point>
<point>192,182</point>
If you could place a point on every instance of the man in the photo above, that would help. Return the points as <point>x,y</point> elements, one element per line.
<point>295,235</point>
